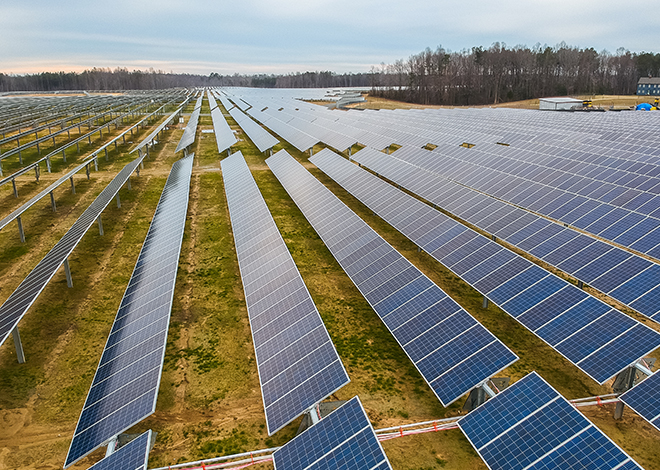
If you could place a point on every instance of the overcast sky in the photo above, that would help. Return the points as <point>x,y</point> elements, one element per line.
<point>279,36</point>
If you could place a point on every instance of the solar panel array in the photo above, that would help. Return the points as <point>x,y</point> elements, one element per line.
<point>125,386</point>
<point>257,134</point>
<point>644,399</point>
<point>224,136</point>
<point>131,456</point>
<point>598,339</point>
<point>190,131</point>
<point>343,440</point>
<point>624,276</point>
<point>296,137</point>
<point>17,304</point>
<point>531,426</point>
<point>297,362</point>
<point>453,352</point>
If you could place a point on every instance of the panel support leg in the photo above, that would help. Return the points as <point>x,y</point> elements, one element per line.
<point>580,285</point>
<point>112,445</point>
<point>21,233</point>
<point>485,302</point>
<point>118,202</point>
<point>73,186</point>
<point>128,183</point>
<point>13,183</point>
<point>37,172</point>
<point>314,414</point>
<point>623,382</point>
<point>98,219</point>
<point>87,171</point>
<point>67,272</point>
<point>52,202</point>
<point>106,154</point>
<point>18,344</point>
<point>96,163</point>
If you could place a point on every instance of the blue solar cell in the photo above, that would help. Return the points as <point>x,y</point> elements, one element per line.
<point>401,296</point>
<point>444,238</point>
<point>517,284</point>
<point>531,425</point>
<point>551,244</point>
<point>585,256</point>
<point>534,437</point>
<point>342,440</point>
<point>580,211</point>
<point>586,341</point>
<point>471,260</point>
<point>647,242</point>
<point>523,221</point>
<point>435,333</point>
<point>528,230</point>
<point>540,237</point>
<point>601,265</point>
<point>638,285</point>
<point>529,298</point>
<point>622,273</point>
<point>567,250</point>
<point>503,274</point>
<point>648,303</point>
<point>643,399</point>
<point>488,266</point>
<point>412,308</point>
<point>621,226</point>
<point>615,356</point>
<point>434,318</point>
<point>638,231</point>
<point>551,307</point>
<point>459,254</point>
<point>131,456</point>
<point>572,320</point>
<point>571,205</point>
<point>511,406</point>
<point>451,246</point>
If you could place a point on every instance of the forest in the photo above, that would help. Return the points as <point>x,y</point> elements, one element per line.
<point>473,76</point>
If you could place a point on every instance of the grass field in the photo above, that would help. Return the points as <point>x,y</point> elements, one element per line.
<point>209,401</point>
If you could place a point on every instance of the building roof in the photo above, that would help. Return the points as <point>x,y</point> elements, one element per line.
<point>563,99</point>
<point>649,81</point>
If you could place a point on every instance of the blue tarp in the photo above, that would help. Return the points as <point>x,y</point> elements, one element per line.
<point>643,107</point>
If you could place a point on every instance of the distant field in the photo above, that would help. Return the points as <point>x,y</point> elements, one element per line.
<point>209,401</point>
<point>605,101</point>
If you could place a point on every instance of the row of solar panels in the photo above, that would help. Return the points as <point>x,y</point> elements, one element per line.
<point>615,266</point>
<point>624,276</point>
<point>598,339</point>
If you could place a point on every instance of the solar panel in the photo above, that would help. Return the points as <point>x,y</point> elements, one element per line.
<point>531,426</point>
<point>125,386</point>
<point>131,456</point>
<point>342,440</point>
<point>297,362</point>
<point>643,399</point>
<point>539,300</point>
<point>189,132</point>
<point>224,136</point>
<point>257,134</point>
<point>453,352</point>
<point>17,304</point>
<point>620,274</point>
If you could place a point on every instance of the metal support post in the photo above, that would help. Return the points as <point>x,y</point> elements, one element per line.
<point>106,154</point>
<point>115,145</point>
<point>89,139</point>
<point>1,168</point>
<point>419,249</point>
<point>626,381</point>
<point>485,302</point>
<point>18,344</point>
<point>48,164</point>
<point>96,163</point>
<point>98,219</point>
<point>64,155</point>
<point>13,183</point>
<point>87,170</point>
<point>580,285</point>
<point>21,233</point>
<point>52,202</point>
<point>118,202</point>
<point>38,150</point>
<point>67,272</point>
<point>73,186</point>
<point>314,415</point>
<point>311,151</point>
<point>78,147</point>
<point>642,368</point>
<point>493,237</point>
<point>20,157</point>
<point>112,445</point>
<point>128,183</point>
<point>37,172</point>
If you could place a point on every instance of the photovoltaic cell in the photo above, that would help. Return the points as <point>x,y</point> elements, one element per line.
<point>343,440</point>
<point>452,351</point>
<point>530,425</point>
<point>125,386</point>
<point>297,362</point>
<point>131,456</point>
<point>643,398</point>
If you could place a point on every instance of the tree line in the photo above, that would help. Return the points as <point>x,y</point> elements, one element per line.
<point>105,79</point>
<point>500,73</point>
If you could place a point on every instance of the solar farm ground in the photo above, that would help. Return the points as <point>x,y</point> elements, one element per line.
<point>209,402</point>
